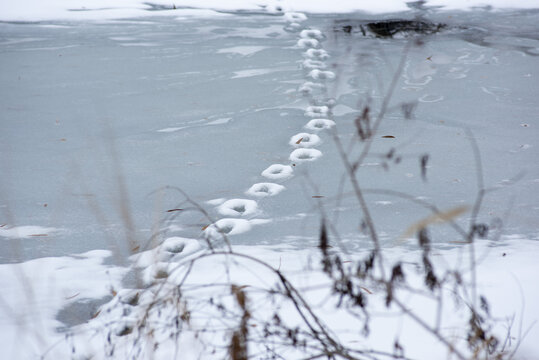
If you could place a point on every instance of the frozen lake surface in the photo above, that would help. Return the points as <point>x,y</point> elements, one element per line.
<point>106,125</point>
<point>98,117</point>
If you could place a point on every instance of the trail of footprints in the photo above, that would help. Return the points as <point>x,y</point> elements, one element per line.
<point>239,213</point>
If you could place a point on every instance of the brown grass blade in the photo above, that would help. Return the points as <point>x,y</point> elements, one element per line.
<point>439,218</point>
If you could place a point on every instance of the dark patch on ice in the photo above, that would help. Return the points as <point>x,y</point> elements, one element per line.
<point>488,31</point>
<point>478,36</point>
<point>21,22</point>
<point>387,28</point>
<point>239,208</point>
<point>79,312</point>
<point>161,7</point>
<point>176,249</point>
<point>225,229</point>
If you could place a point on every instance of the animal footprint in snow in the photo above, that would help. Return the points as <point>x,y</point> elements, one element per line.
<point>300,155</point>
<point>313,64</point>
<point>295,16</point>
<point>304,140</point>
<point>238,207</point>
<point>311,34</point>
<point>316,111</point>
<point>309,87</point>
<point>317,74</point>
<point>265,189</point>
<point>228,227</point>
<point>308,43</point>
<point>278,171</point>
<point>319,54</point>
<point>319,124</point>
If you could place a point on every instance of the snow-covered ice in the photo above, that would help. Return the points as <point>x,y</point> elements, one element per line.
<point>216,202</point>
<point>313,64</point>
<point>305,154</point>
<point>295,17</point>
<point>278,172</point>
<point>316,111</point>
<point>265,189</point>
<point>318,74</point>
<point>319,124</point>
<point>227,226</point>
<point>25,231</point>
<point>36,10</point>
<point>304,140</point>
<point>309,87</point>
<point>242,50</point>
<point>311,34</point>
<point>238,207</point>
<point>319,54</point>
<point>170,250</point>
<point>308,43</point>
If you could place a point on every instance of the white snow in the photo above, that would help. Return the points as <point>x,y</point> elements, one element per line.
<point>308,87</point>
<point>304,140</point>
<point>155,271</point>
<point>319,124</point>
<point>430,98</point>
<point>295,17</point>
<point>242,50</point>
<point>318,74</point>
<point>39,10</point>
<point>171,129</point>
<point>311,34</point>
<point>292,27</point>
<point>469,4</point>
<point>216,202</point>
<point>227,226</point>
<point>265,189</point>
<point>196,123</point>
<point>300,155</point>
<point>220,121</point>
<point>316,111</point>
<point>34,291</point>
<point>278,172</point>
<point>171,249</point>
<point>506,267</point>
<point>26,231</point>
<point>238,207</point>
<point>308,43</point>
<point>320,54</point>
<point>177,245</point>
<point>251,72</point>
<point>313,64</point>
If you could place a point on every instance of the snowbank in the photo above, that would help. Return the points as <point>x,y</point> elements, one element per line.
<point>507,278</point>
<point>37,10</point>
